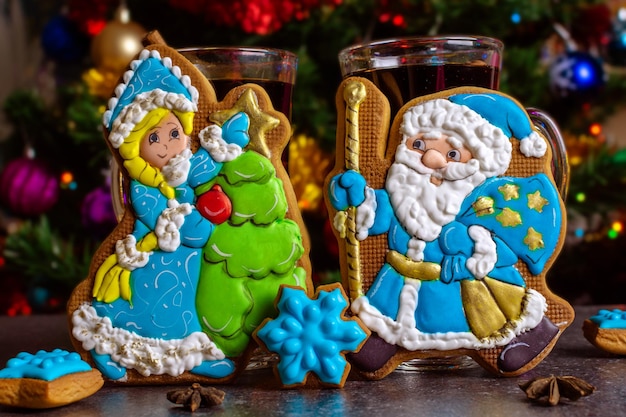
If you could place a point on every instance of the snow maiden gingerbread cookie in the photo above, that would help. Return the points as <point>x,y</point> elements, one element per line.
<point>447,229</point>
<point>210,230</point>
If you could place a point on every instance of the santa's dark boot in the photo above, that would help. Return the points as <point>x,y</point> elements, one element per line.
<point>527,346</point>
<point>373,354</point>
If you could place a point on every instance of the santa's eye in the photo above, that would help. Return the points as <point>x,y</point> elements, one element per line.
<point>419,145</point>
<point>153,138</point>
<point>454,155</point>
<point>174,134</point>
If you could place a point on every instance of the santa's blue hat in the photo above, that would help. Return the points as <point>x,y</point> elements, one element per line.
<point>151,82</point>
<point>507,115</point>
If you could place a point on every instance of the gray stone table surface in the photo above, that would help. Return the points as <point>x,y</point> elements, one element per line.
<point>467,391</point>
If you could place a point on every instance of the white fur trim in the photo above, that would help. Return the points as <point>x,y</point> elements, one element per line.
<point>366,214</point>
<point>176,170</point>
<point>128,257</point>
<point>403,333</point>
<point>211,140</point>
<point>533,145</point>
<point>148,356</point>
<point>485,255</point>
<point>169,223</point>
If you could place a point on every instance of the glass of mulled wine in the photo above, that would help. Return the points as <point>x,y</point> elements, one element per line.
<point>405,68</point>
<point>230,67</point>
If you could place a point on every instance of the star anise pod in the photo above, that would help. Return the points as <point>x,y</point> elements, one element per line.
<point>196,396</point>
<point>555,387</point>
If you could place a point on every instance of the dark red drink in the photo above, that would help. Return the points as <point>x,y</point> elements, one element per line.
<point>280,93</point>
<point>403,83</point>
<point>407,68</point>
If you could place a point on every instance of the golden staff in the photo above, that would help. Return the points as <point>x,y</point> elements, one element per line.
<point>353,94</point>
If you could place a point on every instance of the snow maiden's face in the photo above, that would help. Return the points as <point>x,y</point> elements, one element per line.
<point>164,141</point>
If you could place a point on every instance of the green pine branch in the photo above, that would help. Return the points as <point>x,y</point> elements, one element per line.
<point>40,255</point>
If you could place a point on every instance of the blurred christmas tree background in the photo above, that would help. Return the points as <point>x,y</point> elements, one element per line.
<point>62,59</point>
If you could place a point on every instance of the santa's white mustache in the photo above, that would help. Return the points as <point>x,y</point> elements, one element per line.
<point>453,171</point>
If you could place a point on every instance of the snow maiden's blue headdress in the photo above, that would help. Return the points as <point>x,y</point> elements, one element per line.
<point>151,82</point>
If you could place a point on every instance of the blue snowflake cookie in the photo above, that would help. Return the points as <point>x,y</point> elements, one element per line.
<point>312,336</point>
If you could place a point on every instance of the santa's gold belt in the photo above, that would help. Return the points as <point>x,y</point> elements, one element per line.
<point>425,271</point>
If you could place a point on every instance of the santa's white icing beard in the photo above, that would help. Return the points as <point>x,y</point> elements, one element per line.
<point>422,207</point>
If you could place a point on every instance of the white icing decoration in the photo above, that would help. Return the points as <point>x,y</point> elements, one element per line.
<point>276,201</point>
<point>339,223</point>
<point>211,140</point>
<point>486,142</point>
<point>128,257</point>
<point>291,258</point>
<point>366,214</point>
<point>402,332</point>
<point>416,249</point>
<point>244,215</point>
<point>219,252</point>
<point>149,356</point>
<point>169,223</point>
<point>177,168</point>
<point>533,145</point>
<point>485,255</point>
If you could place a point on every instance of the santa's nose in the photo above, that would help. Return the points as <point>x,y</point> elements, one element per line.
<point>433,159</point>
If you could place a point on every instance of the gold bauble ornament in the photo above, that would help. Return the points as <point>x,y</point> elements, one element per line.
<point>118,43</point>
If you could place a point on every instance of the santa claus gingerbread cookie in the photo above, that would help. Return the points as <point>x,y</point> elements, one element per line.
<point>210,231</point>
<point>447,222</point>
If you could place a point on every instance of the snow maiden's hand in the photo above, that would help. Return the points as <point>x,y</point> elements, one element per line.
<point>169,223</point>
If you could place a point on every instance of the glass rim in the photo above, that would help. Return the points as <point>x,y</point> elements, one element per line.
<point>252,62</point>
<point>285,54</point>
<point>354,57</point>
<point>417,40</point>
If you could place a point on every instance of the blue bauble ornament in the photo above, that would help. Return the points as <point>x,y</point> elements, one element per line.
<point>576,74</point>
<point>616,49</point>
<point>62,41</point>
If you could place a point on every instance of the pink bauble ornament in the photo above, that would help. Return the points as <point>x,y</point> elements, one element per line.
<point>215,205</point>
<point>97,211</point>
<point>28,187</point>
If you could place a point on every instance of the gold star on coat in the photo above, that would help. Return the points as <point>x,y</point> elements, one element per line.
<point>509,191</point>
<point>509,218</point>
<point>260,122</point>
<point>483,206</point>
<point>534,239</point>
<point>536,201</point>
